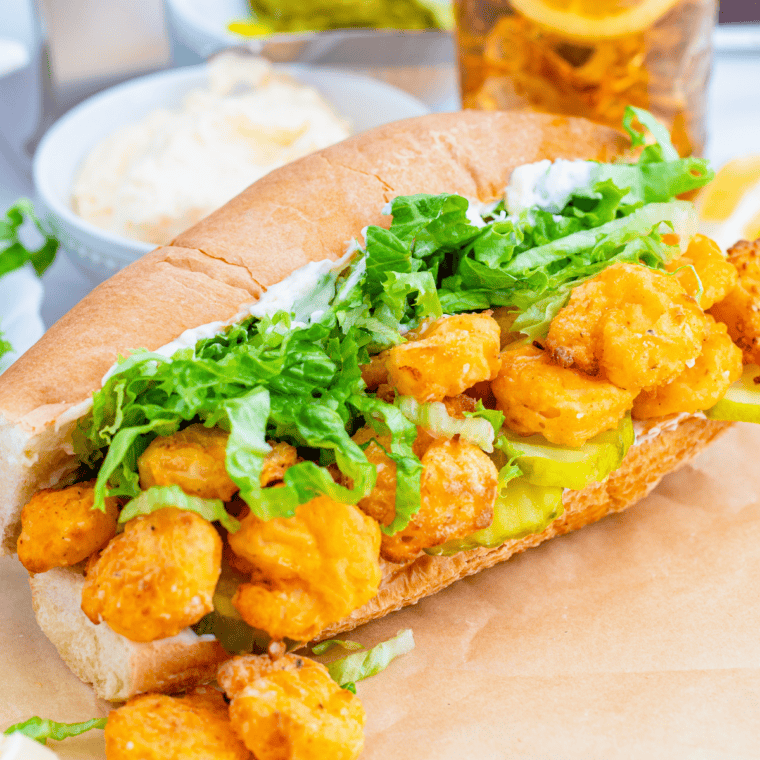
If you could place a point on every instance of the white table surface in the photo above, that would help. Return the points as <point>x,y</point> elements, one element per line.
<point>734,114</point>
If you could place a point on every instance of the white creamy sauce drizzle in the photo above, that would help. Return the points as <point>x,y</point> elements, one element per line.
<point>548,185</point>
<point>646,431</point>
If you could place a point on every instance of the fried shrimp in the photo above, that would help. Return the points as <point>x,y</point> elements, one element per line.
<point>458,489</point>
<point>310,570</point>
<point>157,577</point>
<point>700,386</point>
<point>717,276</point>
<point>290,709</point>
<point>630,324</point>
<point>566,406</point>
<point>59,527</point>
<point>193,459</point>
<point>449,357</point>
<point>740,309</point>
<point>158,727</point>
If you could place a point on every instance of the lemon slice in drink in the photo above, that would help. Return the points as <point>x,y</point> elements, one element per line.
<point>594,19</point>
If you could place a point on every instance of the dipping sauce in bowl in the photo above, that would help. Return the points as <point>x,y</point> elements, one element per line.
<point>153,179</point>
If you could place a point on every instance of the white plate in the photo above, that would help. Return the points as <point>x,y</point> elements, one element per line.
<point>365,102</point>
<point>20,321</point>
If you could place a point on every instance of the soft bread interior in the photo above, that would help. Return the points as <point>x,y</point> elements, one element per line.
<point>118,668</point>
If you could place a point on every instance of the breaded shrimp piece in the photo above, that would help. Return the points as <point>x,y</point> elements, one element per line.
<point>290,709</point>
<point>310,570</point>
<point>449,357</point>
<point>632,325</point>
<point>277,462</point>
<point>158,727</point>
<point>157,577</point>
<point>566,406</point>
<point>700,386</point>
<point>459,487</point>
<point>740,309</point>
<point>59,527</point>
<point>193,459</point>
<point>716,275</point>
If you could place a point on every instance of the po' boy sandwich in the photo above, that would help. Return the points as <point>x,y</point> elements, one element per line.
<point>373,373</point>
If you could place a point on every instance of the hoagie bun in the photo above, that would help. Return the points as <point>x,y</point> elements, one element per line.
<point>305,212</point>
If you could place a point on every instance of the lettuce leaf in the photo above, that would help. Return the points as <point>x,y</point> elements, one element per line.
<point>323,646</point>
<point>361,665</point>
<point>13,253</point>
<point>42,729</point>
<point>5,346</point>
<point>159,497</point>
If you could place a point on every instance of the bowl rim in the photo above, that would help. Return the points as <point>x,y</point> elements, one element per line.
<point>45,153</point>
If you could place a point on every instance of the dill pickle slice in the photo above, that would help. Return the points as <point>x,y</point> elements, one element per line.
<point>522,508</point>
<point>549,464</point>
<point>226,623</point>
<point>742,400</point>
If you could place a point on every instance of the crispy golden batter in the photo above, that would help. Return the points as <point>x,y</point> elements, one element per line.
<point>291,709</point>
<point>564,405</point>
<point>60,528</point>
<point>458,492</point>
<point>158,727</point>
<point>716,275</point>
<point>449,357</point>
<point>277,462</point>
<point>193,459</point>
<point>310,570</point>
<point>700,386</point>
<point>157,577</point>
<point>740,309</point>
<point>633,325</point>
<point>375,373</point>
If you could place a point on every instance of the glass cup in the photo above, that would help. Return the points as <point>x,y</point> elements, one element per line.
<point>590,58</point>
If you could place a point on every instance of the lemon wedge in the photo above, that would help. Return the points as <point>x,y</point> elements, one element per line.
<point>729,207</point>
<point>718,201</point>
<point>594,19</point>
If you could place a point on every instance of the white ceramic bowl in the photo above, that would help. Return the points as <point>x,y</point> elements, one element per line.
<point>365,102</point>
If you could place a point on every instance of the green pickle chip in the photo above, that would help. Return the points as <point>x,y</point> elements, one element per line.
<point>742,400</point>
<point>522,509</point>
<point>549,464</point>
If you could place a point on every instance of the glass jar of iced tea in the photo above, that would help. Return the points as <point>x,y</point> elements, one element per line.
<point>590,58</point>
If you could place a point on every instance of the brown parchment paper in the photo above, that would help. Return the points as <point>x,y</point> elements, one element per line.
<point>637,637</point>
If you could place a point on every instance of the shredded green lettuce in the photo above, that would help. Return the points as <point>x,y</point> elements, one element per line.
<point>434,417</point>
<point>160,497</point>
<point>361,665</point>
<point>42,729</point>
<point>5,346</point>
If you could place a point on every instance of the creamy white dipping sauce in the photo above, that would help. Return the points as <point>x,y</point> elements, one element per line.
<point>152,180</point>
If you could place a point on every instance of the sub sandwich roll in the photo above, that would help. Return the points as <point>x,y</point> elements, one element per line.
<point>458,385</point>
